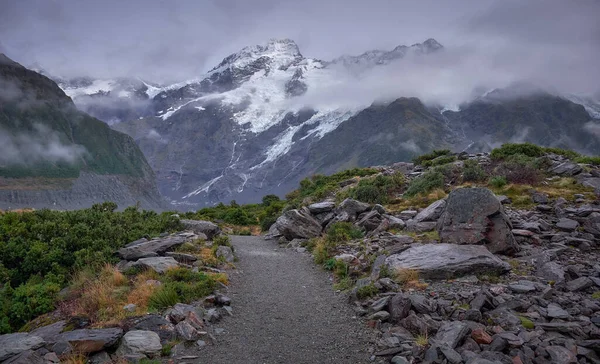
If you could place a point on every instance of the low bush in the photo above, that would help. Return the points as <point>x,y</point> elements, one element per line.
<point>340,232</point>
<point>366,291</point>
<point>420,160</point>
<point>511,149</point>
<point>472,172</point>
<point>379,189</point>
<point>425,183</point>
<point>498,181</point>
<point>588,160</point>
<point>440,161</point>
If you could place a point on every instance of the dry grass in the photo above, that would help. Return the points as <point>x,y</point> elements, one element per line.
<point>425,236</point>
<point>73,359</point>
<point>422,340</point>
<point>409,278</point>
<point>418,201</point>
<point>207,256</point>
<point>220,277</point>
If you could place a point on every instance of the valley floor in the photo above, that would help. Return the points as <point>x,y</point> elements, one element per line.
<point>285,311</point>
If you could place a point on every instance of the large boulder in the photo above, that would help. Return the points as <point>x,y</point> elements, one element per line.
<point>14,344</point>
<point>370,221</point>
<point>157,264</point>
<point>321,207</point>
<point>145,249</point>
<point>592,224</point>
<point>87,341</point>
<point>202,227</point>
<point>445,261</point>
<point>353,208</point>
<point>431,212</point>
<point>474,216</point>
<point>298,224</point>
<point>140,342</point>
<point>157,324</point>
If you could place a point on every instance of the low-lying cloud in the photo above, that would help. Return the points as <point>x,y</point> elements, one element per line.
<point>38,145</point>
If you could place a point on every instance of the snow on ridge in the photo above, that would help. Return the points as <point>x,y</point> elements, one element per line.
<point>204,188</point>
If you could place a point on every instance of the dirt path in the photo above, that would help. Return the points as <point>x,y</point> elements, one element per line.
<point>285,311</point>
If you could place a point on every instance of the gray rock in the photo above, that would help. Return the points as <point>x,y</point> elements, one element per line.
<point>451,334</point>
<point>186,331</point>
<point>555,311</point>
<point>49,332</point>
<point>399,307</point>
<point>579,284</point>
<point>51,358</point>
<point>157,324</point>
<point>380,316</point>
<point>13,344</point>
<point>473,216</point>
<point>100,358</point>
<point>370,221</point>
<point>566,169</point>
<point>400,360</point>
<point>144,249</point>
<point>408,214</point>
<point>137,342</point>
<point>320,207</point>
<point>431,212</point>
<point>157,264</point>
<point>592,225</point>
<point>182,257</point>
<point>567,224</point>
<point>87,341</point>
<point>353,208</point>
<point>444,261</point>
<point>521,287</point>
<point>420,304</point>
<point>26,357</point>
<point>202,227</point>
<point>420,227</point>
<point>394,222</point>
<point>298,224</point>
<point>451,354</point>
<point>551,271</point>
<point>540,198</point>
<point>561,355</point>
<point>226,253</point>
<point>130,307</point>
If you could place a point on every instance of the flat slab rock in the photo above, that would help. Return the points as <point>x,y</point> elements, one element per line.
<point>202,227</point>
<point>13,344</point>
<point>157,264</point>
<point>445,261</point>
<point>149,248</point>
<point>87,341</point>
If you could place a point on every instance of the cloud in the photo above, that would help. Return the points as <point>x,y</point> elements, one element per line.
<point>164,40</point>
<point>593,128</point>
<point>39,145</point>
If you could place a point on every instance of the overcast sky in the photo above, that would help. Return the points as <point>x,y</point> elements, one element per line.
<point>167,40</point>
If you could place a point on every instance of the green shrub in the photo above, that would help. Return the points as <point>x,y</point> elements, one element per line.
<point>588,160</point>
<point>340,232</point>
<point>439,161</point>
<point>378,189</point>
<point>368,193</point>
<point>163,297</point>
<point>425,183</point>
<point>341,269</point>
<point>181,285</point>
<point>473,172</point>
<point>564,152</point>
<point>366,291</point>
<point>420,160</point>
<point>510,149</point>
<point>498,181</point>
<point>222,240</point>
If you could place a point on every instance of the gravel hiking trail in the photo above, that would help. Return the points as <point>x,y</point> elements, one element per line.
<point>285,311</point>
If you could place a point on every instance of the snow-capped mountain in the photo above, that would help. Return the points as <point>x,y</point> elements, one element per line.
<point>258,122</point>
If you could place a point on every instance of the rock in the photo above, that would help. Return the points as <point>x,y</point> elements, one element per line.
<point>353,208</point>
<point>431,212</point>
<point>481,337</point>
<point>408,214</point>
<point>26,357</point>
<point>13,344</point>
<point>346,258</point>
<point>567,224</point>
<point>370,221</point>
<point>137,342</point>
<point>380,316</point>
<point>473,216</point>
<point>521,288</point>
<point>566,169</point>
<point>555,311</point>
<point>320,207</point>
<point>399,307</point>
<point>420,227</point>
<point>226,253</point>
<point>420,304</point>
<point>400,360</point>
<point>157,324</point>
<point>592,225</point>
<point>394,222</point>
<point>157,264</point>
<point>179,312</point>
<point>182,257</point>
<point>579,284</point>
<point>451,354</point>
<point>100,358</point>
<point>540,198</point>
<point>298,224</point>
<point>202,227</point>
<point>561,355</point>
<point>51,358</point>
<point>451,334</point>
<point>504,200</point>
<point>49,332</point>
<point>87,341</point>
<point>186,331</point>
<point>551,271</point>
<point>130,307</point>
<point>144,249</point>
<point>445,261</point>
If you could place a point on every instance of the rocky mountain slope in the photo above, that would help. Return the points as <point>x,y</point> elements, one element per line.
<point>265,117</point>
<point>53,155</point>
